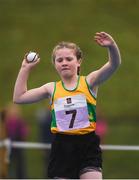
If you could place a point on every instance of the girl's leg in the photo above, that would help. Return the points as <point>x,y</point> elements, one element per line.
<point>91,175</point>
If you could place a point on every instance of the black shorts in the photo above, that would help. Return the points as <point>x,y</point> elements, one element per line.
<point>71,154</point>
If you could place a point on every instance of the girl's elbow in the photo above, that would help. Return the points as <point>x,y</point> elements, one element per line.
<point>16,100</point>
<point>117,64</point>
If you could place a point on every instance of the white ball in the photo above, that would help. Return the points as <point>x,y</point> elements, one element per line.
<point>32,56</point>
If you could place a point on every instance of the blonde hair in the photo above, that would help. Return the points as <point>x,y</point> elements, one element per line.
<point>69,45</point>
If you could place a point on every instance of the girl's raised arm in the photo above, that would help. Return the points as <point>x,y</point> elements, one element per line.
<point>114,60</point>
<point>21,93</point>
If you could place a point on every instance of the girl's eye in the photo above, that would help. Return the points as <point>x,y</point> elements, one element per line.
<point>69,58</point>
<point>59,59</point>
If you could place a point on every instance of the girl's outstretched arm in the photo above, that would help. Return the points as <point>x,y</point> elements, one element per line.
<point>114,60</point>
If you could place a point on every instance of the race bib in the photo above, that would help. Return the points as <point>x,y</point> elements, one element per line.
<point>71,112</point>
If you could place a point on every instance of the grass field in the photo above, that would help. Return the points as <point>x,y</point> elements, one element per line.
<point>39,25</point>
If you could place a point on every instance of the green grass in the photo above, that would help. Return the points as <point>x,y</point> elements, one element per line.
<point>120,165</point>
<point>39,25</point>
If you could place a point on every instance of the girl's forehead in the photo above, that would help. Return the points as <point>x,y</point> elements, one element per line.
<point>65,52</point>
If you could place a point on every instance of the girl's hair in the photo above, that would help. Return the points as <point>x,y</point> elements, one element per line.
<point>68,45</point>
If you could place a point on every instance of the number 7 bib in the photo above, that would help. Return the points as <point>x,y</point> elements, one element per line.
<point>71,112</point>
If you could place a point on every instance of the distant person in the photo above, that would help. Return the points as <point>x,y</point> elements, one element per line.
<point>44,120</point>
<point>102,126</point>
<point>17,130</point>
<point>75,150</point>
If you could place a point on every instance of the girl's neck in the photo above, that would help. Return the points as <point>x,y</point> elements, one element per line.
<point>71,82</point>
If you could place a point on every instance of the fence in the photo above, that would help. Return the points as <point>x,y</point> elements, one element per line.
<point>29,145</point>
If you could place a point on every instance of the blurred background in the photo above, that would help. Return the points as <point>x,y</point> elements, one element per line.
<point>38,25</point>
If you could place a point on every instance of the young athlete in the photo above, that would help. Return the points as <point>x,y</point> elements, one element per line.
<point>75,150</point>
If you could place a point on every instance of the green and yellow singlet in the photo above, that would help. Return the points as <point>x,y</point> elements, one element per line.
<point>73,111</point>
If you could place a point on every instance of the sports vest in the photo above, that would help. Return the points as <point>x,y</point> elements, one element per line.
<point>73,111</point>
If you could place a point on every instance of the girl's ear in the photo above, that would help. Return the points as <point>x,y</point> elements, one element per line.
<point>78,70</point>
<point>80,61</point>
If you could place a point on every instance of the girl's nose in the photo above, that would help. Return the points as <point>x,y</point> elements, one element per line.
<point>64,62</point>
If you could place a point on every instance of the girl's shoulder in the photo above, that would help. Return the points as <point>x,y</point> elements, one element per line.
<point>49,87</point>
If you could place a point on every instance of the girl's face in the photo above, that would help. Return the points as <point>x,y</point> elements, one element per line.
<point>66,62</point>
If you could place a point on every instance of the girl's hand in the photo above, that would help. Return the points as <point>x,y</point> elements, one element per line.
<point>29,65</point>
<point>104,39</point>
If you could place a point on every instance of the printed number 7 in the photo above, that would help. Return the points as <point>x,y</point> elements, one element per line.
<point>73,112</point>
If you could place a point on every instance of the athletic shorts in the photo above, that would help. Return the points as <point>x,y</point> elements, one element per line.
<point>71,155</point>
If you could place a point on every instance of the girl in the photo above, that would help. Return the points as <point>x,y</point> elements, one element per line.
<point>75,150</point>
